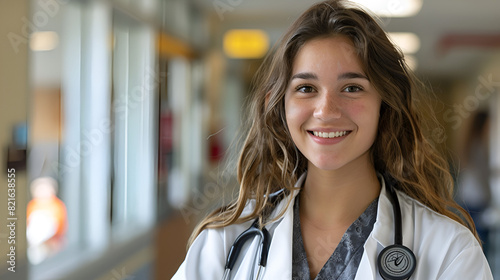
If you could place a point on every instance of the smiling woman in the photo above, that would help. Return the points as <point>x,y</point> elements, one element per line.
<point>337,180</point>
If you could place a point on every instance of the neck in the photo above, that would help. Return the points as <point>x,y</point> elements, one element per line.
<point>338,197</point>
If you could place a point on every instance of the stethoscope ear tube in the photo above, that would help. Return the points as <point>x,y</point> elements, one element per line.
<point>252,231</point>
<point>266,243</point>
<point>234,251</point>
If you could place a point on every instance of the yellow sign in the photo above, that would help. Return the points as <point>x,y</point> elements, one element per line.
<point>246,43</point>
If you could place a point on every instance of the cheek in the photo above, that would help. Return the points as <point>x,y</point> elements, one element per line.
<point>296,116</point>
<point>293,113</point>
<point>357,109</point>
<point>366,114</point>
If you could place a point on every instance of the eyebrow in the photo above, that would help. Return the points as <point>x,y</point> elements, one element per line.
<point>305,76</point>
<point>352,75</point>
<point>343,76</point>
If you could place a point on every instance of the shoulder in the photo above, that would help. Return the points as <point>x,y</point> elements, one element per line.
<point>206,257</point>
<point>445,249</point>
<point>429,223</point>
<point>226,235</point>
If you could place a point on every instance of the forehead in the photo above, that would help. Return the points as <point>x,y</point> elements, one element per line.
<point>333,53</point>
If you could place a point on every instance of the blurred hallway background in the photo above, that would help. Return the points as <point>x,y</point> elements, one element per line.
<point>133,108</point>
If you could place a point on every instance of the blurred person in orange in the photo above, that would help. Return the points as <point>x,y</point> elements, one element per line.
<point>46,220</point>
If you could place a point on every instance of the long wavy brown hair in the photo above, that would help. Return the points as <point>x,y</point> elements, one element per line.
<point>269,160</point>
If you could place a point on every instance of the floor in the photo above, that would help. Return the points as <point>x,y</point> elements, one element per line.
<point>172,237</point>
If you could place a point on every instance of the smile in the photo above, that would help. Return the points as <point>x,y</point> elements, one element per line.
<point>329,134</point>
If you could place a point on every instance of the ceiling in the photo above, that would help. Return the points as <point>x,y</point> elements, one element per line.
<point>470,30</point>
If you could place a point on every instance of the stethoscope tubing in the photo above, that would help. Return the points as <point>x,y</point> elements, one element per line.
<point>398,227</point>
<point>234,252</point>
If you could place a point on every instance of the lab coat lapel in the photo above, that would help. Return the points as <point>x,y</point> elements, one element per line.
<point>368,266</point>
<point>381,236</point>
<point>383,229</point>
<point>280,252</point>
<point>279,263</point>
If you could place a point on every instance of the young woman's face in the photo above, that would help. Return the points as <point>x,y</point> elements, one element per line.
<point>332,110</point>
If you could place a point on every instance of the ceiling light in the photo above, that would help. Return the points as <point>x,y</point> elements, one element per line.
<point>44,41</point>
<point>246,43</point>
<point>392,8</point>
<point>408,42</point>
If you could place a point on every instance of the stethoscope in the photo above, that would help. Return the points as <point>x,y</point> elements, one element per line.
<point>252,231</point>
<point>395,262</point>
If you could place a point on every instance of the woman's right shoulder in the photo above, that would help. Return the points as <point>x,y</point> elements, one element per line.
<point>222,234</point>
<point>223,237</point>
<point>206,257</point>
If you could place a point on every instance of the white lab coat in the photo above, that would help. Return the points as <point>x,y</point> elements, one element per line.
<point>444,249</point>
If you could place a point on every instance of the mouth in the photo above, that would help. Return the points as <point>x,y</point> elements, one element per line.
<point>329,134</point>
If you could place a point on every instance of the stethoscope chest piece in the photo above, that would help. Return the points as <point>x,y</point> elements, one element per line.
<point>396,262</point>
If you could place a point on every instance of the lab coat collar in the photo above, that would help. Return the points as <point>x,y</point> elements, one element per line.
<point>280,268</point>
<point>381,236</point>
<point>383,229</point>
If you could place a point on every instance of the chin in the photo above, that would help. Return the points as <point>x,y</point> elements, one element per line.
<point>327,165</point>
<point>331,163</point>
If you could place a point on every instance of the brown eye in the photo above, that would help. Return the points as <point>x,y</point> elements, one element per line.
<point>305,89</point>
<point>352,89</point>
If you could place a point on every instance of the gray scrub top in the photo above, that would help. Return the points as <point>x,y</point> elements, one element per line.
<point>344,262</point>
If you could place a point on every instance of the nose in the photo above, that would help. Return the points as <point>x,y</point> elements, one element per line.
<point>328,107</point>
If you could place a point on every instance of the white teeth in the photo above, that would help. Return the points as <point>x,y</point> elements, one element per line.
<point>329,134</point>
